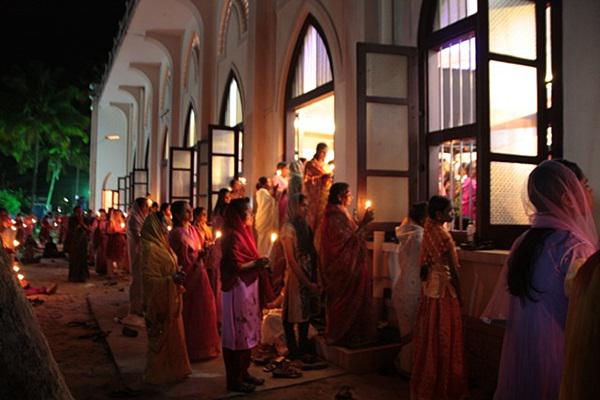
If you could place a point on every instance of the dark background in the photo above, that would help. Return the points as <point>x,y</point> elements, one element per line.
<point>73,35</point>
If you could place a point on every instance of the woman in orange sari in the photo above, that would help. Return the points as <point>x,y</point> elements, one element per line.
<point>438,370</point>
<point>167,359</point>
<point>346,275</point>
<point>317,182</point>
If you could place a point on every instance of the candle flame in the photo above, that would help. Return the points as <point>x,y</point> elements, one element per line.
<point>34,221</point>
<point>13,221</point>
<point>368,204</point>
<point>16,268</point>
<point>218,234</point>
<point>125,214</point>
<point>242,180</point>
<point>55,224</point>
<point>278,172</point>
<point>122,225</point>
<point>16,243</point>
<point>14,228</point>
<point>21,277</point>
<point>169,228</point>
<point>273,237</point>
<point>24,225</point>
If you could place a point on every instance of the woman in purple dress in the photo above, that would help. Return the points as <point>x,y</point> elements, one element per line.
<point>562,234</point>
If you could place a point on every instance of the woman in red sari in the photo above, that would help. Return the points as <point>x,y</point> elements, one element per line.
<point>241,270</point>
<point>438,370</point>
<point>199,312</point>
<point>345,273</point>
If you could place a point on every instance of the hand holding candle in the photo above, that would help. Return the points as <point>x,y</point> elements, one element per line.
<point>218,235</point>
<point>368,204</point>
<point>273,240</point>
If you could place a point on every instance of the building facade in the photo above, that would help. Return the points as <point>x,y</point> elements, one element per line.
<point>414,97</point>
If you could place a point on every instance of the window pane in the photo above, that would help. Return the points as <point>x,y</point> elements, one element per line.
<point>387,136</point>
<point>191,129</point>
<point>222,171</point>
<point>389,196</point>
<point>451,69</point>
<point>512,28</point>
<point>223,141</point>
<point>387,75</point>
<point>182,159</point>
<point>233,105</point>
<point>507,186</point>
<point>513,109</point>
<point>181,183</point>
<point>548,78</point>
<point>450,11</point>
<point>313,68</point>
<point>453,172</point>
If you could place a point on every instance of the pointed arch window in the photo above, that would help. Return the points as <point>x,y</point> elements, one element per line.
<point>190,137</point>
<point>313,68</point>
<point>233,113</point>
<point>491,106</point>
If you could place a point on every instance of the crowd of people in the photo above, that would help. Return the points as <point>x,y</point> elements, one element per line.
<point>202,287</point>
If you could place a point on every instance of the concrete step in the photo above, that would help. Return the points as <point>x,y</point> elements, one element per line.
<point>358,361</point>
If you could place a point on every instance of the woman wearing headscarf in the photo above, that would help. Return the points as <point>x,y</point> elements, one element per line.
<point>301,285</point>
<point>167,359</point>
<point>562,234</point>
<point>135,221</point>
<point>296,178</point>
<point>199,312</point>
<point>214,256</point>
<point>346,275</point>
<point>267,214</point>
<point>241,267</point>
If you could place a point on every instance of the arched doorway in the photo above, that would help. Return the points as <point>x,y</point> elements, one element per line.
<point>309,100</point>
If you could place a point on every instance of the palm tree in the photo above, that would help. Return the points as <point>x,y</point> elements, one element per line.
<point>42,121</point>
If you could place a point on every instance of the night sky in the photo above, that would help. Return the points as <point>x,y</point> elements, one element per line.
<point>72,35</point>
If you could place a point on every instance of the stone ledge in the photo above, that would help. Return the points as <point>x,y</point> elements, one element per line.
<point>358,361</point>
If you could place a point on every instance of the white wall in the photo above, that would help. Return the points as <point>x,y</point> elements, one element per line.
<point>110,155</point>
<point>581,80</point>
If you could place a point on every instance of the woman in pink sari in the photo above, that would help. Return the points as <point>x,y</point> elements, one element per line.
<point>562,234</point>
<point>345,273</point>
<point>199,312</point>
<point>241,269</point>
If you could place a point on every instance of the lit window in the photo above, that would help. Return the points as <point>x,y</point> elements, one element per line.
<point>313,68</point>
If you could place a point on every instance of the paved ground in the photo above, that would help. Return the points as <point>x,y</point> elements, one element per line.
<point>100,368</point>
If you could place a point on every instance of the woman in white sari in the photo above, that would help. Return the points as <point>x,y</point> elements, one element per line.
<point>267,215</point>
<point>407,284</point>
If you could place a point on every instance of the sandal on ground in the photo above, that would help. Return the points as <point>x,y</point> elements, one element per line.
<point>286,370</point>
<point>252,380</point>
<point>242,388</point>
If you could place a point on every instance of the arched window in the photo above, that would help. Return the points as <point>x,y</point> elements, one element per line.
<point>491,106</point>
<point>190,136</point>
<point>232,113</point>
<point>309,95</point>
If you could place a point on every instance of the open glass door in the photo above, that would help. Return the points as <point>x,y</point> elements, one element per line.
<point>139,183</point>
<point>220,160</point>
<point>387,130</point>
<point>181,174</point>
<point>122,194</point>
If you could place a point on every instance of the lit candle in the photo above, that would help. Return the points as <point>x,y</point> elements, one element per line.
<point>368,204</point>
<point>125,214</point>
<point>24,225</point>
<point>14,228</point>
<point>55,224</point>
<point>122,225</point>
<point>218,235</point>
<point>21,277</point>
<point>242,180</point>
<point>16,268</point>
<point>34,221</point>
<point>97,213</point>
<point>278,172</point>
<point>16,243</point>
<point>169,228</point>
<point>13,221</point>
<point>273,240</point>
